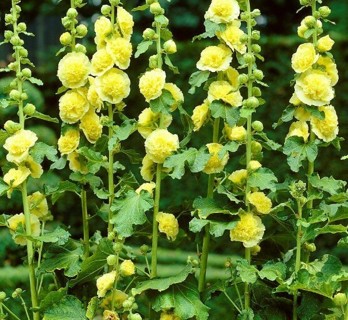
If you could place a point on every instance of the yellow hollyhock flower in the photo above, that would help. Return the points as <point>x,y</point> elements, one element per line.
<point>223,90</point>
<point>327,128</point>
<point>304,57</point>
<point>77,164</point>
<point>127,268</point>
<point>18,145</point>
<point>294,100</point>
<point>17,221</point>
<point>223,11</point>
<point>215,163</point>
<point>330,68</point>
<point>103,27</point>
<point>325,44</point>
<point>73,105</point>
<point>35,168</point>
<point>302,114</point>
<point>92,95</point>
<point>151,84</point>
<point>215,58</point>
<point>15,177</point>
<point>38,204</point>
<point>232,36</point>
<point>236,133</point>
<point>148,168</point>
<point>69,142</point>
<point>91,126</point>
<point>110,315</point>
<point>176,93</point>
<point>249,230</point>
<point>73,70</point>
<point>105,283</point>
<point>260,201</point>
<point>101,62</point>
<point>160,144</point>
<point>149,187</point>
<point>299,129</point>
<point>169,316</point>
<point>168,224</point>
<point>125,22</point>
<point>232,77</point>
<point>200,115</point>
<point>149,121</point>
<point>120,49</point>
<point>113,86</point>
<point>238,177</point>
<point>314,88</point>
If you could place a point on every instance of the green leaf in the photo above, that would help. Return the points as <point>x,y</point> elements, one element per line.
<point>65,258</point>
<point>342,243</point>
<point>52,298</point>
<point>45,117</point>
<point>268,143</point>
<point>210,30</point>
<point>41,150</point>
<point>226,112</point>
<point>3,188</point>
<point>161,284</point>
<point>58,190</point>
<point>130,211</point>
<point>196,225</point>
<point>36,81</point>
<point>336,228</point>
<point>59,164</point>
<point>171,66</point>
<point>3,220</point>
<point>95,160</point>
<point>163,102</point>
<point>206,207</point>
<point>327,184</point>
<point>221,189</point>
<point>197,79</point>
<point>246,112</point>
<point>92,308</point>
<point>177,162</point>
<point>202,157</point>
<point>217,228</point>
<point>263,178</point>
<point>4,103</point>
<point>273,271</point>
<point>58,236</point>
<point>297,151</point>
<point>142,47</point>
<point>247,272</point>
<point>141,8</point>
<point>287,115</point>
<point>184,299</point>
<point>68,308</point>
<point>125,130</point>
<point>94,264</point>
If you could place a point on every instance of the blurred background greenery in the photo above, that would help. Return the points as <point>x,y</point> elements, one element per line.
<point>278,25</point>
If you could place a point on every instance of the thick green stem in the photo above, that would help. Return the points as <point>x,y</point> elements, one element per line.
<point>158,45</point>
<point>73,30</point>
<point>298,257</point>
<point>85,222</point>
<point>30,253</point>
<point>111,186</point>
<point>115,283</point>
<point>206,237</point>
<point>246,286</point>
<point>346,313</point>
<point>155,223</point>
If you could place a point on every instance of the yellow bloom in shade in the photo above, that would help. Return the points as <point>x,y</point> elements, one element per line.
<point>119,297</point>
<point>260,201</point>
<point>151,84</point>
<point>294,100</point>
<point>176,93</point>
<point>105,283</point>
<point>249,230</point>
<point>330,68</point>
<point>299,129</point>
<point>103,27</point>
<point>148,187</point>
<point>91,126</point>
<point>69,142</point>
<point>215,58</point>
<point>223,90</point>
<point>216,162</point>
<point>73,105</point>
<point>148,168</point>
<point>101,62</point>
<point>168,224</point>
<point>327,128</point>
<point>110,315</point>
<point>73,70</point>
<point>18,145</point>
<point>232,37</point>
<point>200,115</point>
<point>149,121</point>
<point>238,177</point>
<point>236,133</point>
<point>15,177</point>
<point>232,76</point>
<point>76,163</point>
<point>325,44</point>
<point>17,223</point>
<point>125,22</point>
<point>304,57</point>
<point>160,144</point>
<point>314,88</point>
<point>302,114</point>
<point>38,204</point>
<point>254,165</point>
<point>113,86</point>
<point>169,316</point>
<point>120,49</point>
<point>127,268</point>
<point>92,95</point>
<point>222,11</point>
<point>35,168</point>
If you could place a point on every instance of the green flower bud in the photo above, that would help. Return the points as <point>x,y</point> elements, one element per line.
<point>169,46</point>
<point>71,13</point>
<point>255,35</point>
<point>18,9</point>
<point>8,18</point>
<point>164,20</point>
<point>111,235</point>
<point>304,2</point>
<point>114,3</point>
<point>22,27</point>
<point>23,52</point>
<point>65,38</point>
<point>256,48</point>
<point>2,296</point>
<point>156,9</point>
<point>105,9</point>
<point>149,34</point>
<point>131,299</point>
<point>12,127</point>
<point>127,304</point>
<point>111,260</point>
<point>255,13</point>
<point>251,102</point>
<point>16,41</point>
<point>316,15</point>
<point>257,92</point>
<point>149,2</point>
<point>144,249</point>
<point>17,293</point>
<point>117,247</point>
<point>310,247</point>
<point>153,62</point>
<point>257,126</point>
<point>309,21</point>
<point>66,22</point>
<point>244,38</point>
<point>256,147</point>
<point>244,16</point>
<point>8,35</point>
<point>15,95</point>
<point>29,109</point>
<point>340,299</point>
<point>135,316</point>
<point>13,66</point>
<point>249,58</point>
<point>80,48</point>
<point>26,72</point>
<point>13,83</point>
<point>258,74</point>
<point>24,96</point>
<point>324,11</point>
<point>81,30</point>
<point>243,78</point>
